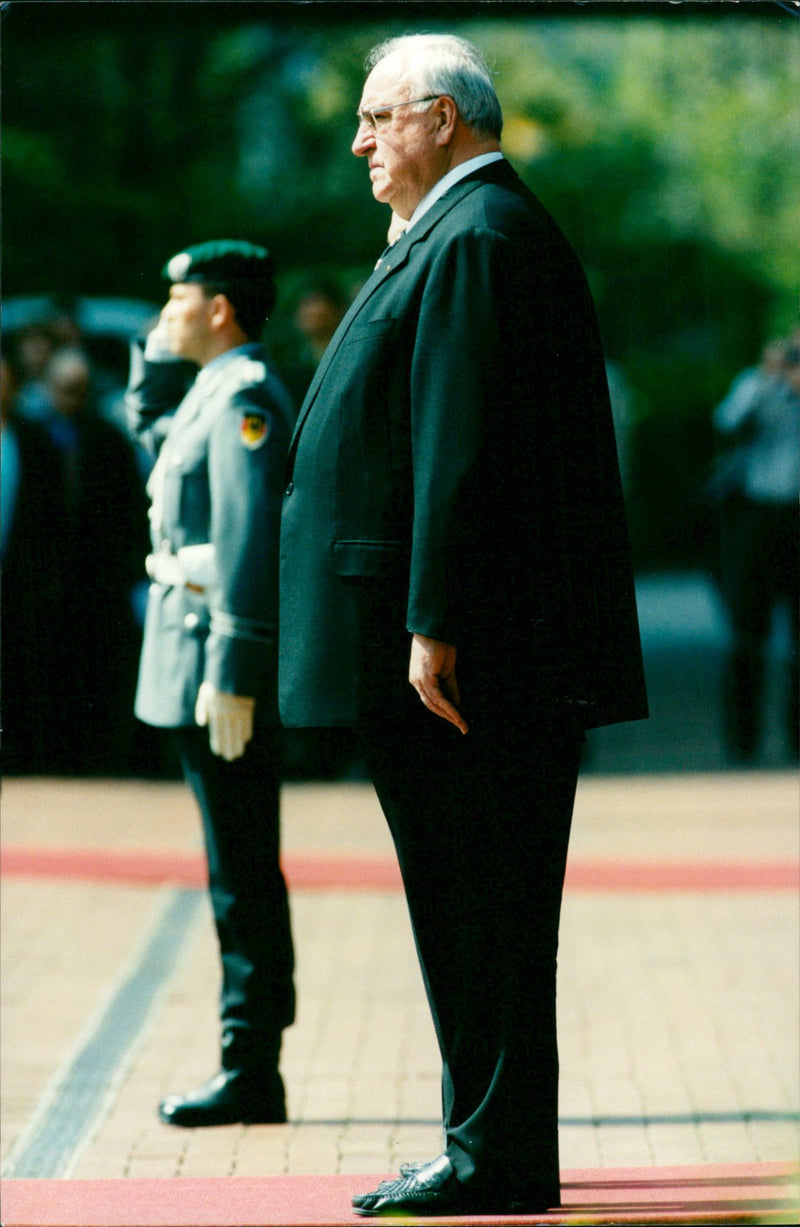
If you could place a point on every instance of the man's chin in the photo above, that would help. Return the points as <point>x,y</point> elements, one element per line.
<point>381,190</point>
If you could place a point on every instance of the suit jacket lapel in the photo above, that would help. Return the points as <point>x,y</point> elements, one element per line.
<point>392,259</point>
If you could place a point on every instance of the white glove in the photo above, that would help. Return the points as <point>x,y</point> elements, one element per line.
<point>194,566</point>
<point>199,563</point>
<point>157,345</point>
<point>229,718</point>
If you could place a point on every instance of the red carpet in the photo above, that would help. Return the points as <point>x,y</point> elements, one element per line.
<point>740,1193</point>
<point>314,872</point>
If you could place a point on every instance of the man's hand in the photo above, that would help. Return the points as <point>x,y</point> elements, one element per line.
<point>229,718</point>
<point>432,673</point>
<point>157,347</point>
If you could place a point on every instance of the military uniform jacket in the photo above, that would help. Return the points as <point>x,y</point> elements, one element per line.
<point>453,472</point>
<point>217,482</point>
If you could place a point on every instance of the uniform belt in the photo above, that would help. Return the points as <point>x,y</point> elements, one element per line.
<point>192,566</point>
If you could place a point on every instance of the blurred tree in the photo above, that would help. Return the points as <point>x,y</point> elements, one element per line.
<point>666,143</point>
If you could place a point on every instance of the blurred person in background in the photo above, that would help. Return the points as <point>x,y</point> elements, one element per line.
<point>757,485</point>
<point>34,346</point>
<point>105,533</point>
<point>316,317</point>
<point>32,525</point>
<point>208,662</point>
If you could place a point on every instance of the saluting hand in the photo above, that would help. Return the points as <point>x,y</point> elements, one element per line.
<point>432,673</point>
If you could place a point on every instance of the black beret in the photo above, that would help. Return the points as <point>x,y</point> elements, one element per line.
<point>221,261</point>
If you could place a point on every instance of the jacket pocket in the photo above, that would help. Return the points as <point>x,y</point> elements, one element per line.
<point>183,610</point>
<point>367,558</point>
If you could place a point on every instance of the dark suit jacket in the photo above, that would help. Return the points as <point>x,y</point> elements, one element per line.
<point>453,472</point>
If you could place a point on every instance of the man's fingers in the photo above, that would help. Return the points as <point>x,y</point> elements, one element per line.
<point>435,701</point>
<point>432,673</point>
<point>450,690</point>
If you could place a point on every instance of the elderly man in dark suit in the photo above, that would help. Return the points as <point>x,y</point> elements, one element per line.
<point>209,653</point>
<point>453,517</point>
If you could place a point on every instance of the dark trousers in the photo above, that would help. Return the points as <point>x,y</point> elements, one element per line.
<point>481,825</point>
<point>240,807</point>
<point>759,571</point>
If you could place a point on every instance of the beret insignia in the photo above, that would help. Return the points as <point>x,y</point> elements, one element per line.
<point>253,431</point>
<point>179,266</point>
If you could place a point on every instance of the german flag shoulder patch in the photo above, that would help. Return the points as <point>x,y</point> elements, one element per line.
<point>253,431</point>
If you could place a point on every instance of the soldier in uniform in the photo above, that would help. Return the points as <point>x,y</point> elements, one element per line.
<point>208,662</point>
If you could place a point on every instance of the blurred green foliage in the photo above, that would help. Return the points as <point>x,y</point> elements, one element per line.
<point>666,140</point>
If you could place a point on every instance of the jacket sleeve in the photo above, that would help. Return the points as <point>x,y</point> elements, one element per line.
<point>454,363</point>
<point>246,457</point>
<point>155,389</point>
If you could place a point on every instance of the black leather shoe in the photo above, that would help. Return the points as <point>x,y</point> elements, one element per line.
<point>231,1097</point>
<point>411,1169</point>
<point>433,1188</point>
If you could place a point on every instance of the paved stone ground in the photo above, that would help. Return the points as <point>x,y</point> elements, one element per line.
<point>678,1008</point>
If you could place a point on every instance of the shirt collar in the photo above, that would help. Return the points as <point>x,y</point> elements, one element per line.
<point>249,349</point>
<point>449,180</point>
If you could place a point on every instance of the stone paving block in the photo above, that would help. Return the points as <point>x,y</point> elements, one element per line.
<point>714,1090</point>
<point>325,1094</point>
<point>357,1163</point>
<point>152,1168</point>
<point>726,1141</point>
<point>665,1092</point>
<point>209,1141</point>
<point>267,1164</point>
<point>419,1098</point>
<point>373,1097</point>
<point>314,1148</point>
<point>672,1145</point>
<point>363,1149</point>
<point>769,1138</point>
<point>358,1140</point>
<point>616,1097</point>
<point>758,1081</point>
<point>157,1143</point>
<point>411,1143</point>
<point>208,1164</point>
<point>624,1146</point>
<point>579,1147</point>
<point>263,1151</point>
<point>574,1095</point>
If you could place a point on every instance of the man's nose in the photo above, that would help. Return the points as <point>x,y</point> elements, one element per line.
<point>363,141</point>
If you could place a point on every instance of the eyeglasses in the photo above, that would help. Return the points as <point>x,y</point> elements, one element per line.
<point>379,117</point>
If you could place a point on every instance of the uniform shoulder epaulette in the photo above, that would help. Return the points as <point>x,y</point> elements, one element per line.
<point>251,370</point>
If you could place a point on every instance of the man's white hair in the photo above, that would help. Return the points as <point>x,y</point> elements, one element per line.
<point>446,64</point>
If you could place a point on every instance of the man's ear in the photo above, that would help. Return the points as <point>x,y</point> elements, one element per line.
<point>446,115</point>
<point>222,313</point>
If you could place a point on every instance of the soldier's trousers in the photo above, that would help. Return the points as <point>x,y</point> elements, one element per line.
<point>240,807</point>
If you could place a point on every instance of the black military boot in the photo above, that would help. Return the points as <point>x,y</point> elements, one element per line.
<point>247,1090</point>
